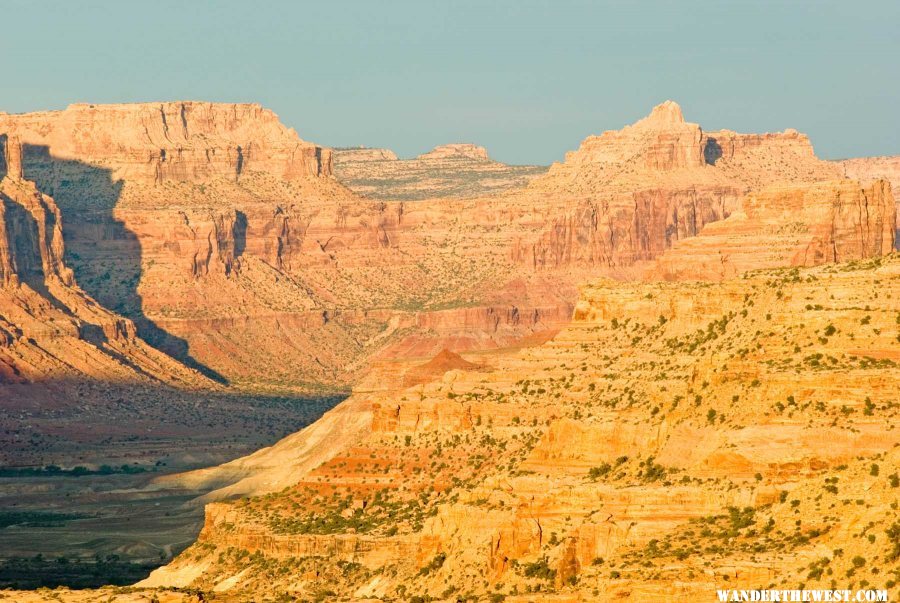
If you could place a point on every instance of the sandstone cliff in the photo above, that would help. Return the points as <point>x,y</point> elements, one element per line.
<point>447,171</point>
<point>192,219</point>
<point>78,384</point>
<point>461,151</point>
<point>788,226</point>
<point>867,169</point>
<point>272,280</point>
<point>49,328</point>
<point>636,191</point>
<point>667,432</point>
<point>614,231</point>
<point>171,141</point>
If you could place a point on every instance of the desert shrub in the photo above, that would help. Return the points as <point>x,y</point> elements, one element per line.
<point>596,473</point>
<point>539,569</point>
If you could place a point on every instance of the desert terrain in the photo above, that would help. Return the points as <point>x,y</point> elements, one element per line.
<point>282,371</point>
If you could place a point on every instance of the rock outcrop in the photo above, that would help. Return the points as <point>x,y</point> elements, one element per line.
<point>152,143</point>
<point>11,157</point>
<point>448,171</point>
<point>49,328</point>
<point>662,141</point>
<point>868,169</point>
<point>664,148</point>
<point>355,154</point>
<point>462,151</point>
<point>31,245</point>
<point>788,226</point>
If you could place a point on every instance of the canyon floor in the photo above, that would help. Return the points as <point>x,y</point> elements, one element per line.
<point>78,505</point>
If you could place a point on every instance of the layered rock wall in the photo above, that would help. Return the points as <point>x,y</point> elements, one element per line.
<point>789,226</point>
<point>49,328</point>
<point>867,169</point>
<point>31,237</point>
<point>456,151</point>
<point>644,187</point>
<point>153,143</point>
<point>625,228</point>
<point>191,218</point>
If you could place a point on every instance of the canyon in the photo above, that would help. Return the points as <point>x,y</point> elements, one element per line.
<point>558,377</point>
<point>163,204</point>
<point>668,440</point>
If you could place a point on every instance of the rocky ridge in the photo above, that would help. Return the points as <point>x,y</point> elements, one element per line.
<point>447,171</point>
<point>462,151</point>
<point>676,152</point>
<point>170,141</point>
<point>354,154</point>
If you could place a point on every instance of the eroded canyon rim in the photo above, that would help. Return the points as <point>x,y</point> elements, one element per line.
<point>205,222</point>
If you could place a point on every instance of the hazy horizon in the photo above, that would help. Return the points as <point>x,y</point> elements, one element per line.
<point>526,80</point>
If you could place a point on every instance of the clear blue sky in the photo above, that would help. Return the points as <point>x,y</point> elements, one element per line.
<point>527,79</point>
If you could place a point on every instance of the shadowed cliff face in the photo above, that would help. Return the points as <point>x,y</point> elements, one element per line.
<point>79,388</point>
<point>87,196</point>
<point>27,259</point>
<point>273,272</point>
<point>50,328</point>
